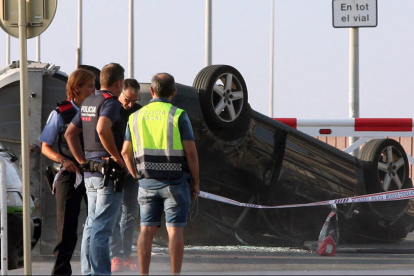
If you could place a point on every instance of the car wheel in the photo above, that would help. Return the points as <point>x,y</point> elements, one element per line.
<point>386,169</point>
<point>223,97</point>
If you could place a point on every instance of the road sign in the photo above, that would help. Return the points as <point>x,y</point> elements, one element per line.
<point>39,15</point>
<point>354,13</point>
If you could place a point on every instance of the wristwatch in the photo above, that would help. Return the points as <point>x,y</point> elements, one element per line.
<point>61,163</point>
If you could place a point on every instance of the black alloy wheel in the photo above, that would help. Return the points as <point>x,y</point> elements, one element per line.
<point>386,169</point>
<point>223,96</point>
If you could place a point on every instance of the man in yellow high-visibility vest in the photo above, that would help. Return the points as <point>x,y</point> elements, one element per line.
<point>160,140</point>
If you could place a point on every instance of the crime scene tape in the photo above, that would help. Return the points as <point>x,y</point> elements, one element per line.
<point>384,196</point>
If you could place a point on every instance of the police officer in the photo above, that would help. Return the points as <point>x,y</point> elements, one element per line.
<point>162,140</point>
<point>81,84</point>
<point>120,242</point>
<point>100,122</point>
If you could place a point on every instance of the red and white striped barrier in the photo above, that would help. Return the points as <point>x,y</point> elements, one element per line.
<point>353,127</point>
<point>366,128</point>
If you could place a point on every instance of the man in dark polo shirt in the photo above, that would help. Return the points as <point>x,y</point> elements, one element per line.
<point>100,122</point>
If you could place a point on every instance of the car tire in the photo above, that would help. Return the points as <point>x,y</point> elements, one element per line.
<point>386,168</point>
<point>223,97</point>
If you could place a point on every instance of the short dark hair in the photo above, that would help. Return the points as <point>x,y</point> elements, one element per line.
<point>95,71</point>
<point>131,83</point>
<point>111,73</point>
<point>163,85</point>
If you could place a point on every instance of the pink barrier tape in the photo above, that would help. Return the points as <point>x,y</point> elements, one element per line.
<point>384,196</point>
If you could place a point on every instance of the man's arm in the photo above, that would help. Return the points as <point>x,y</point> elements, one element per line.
<point>128,158</point>
<point>192,160</point>
<point>48,151</point>
<point>72,137</point>
<point>104,130</point>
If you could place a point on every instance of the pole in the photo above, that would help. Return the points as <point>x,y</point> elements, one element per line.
<point>79,49</point>
<point>272,51</point>
<point>4,246</point>
<point>208,34</point>
<point>353,78</point>
<point>131,40</point>
<point>38,48</point>
<point>24,115</point>
<point>8,49</point>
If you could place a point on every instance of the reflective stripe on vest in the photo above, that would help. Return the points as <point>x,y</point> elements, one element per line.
<point>156,140</point>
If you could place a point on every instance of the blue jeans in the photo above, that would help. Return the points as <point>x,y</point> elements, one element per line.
<point>175,200</point>
<point>103,206</point>
<point>120,243</point>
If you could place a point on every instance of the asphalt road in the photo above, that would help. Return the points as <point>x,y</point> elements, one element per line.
<point>372,259</point>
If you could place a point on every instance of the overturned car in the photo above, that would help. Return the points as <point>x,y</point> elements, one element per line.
<point>248,157</point>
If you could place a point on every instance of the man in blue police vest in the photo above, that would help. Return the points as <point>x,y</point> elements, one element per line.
<point>160,140</point>
<point>100,122</point>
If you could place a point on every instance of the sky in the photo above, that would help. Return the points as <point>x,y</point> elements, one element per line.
<point>311,57</point>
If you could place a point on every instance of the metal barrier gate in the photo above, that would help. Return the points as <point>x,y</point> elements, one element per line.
<point>366,128</point>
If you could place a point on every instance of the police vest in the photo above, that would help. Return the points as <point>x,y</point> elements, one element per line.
<point>90,109</point>
<point>66,111</point>
<point>156,141</point>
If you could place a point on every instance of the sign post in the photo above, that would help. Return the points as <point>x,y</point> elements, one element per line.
<point>26,19</point>
<point>24,114</point>
<point>354,14</point>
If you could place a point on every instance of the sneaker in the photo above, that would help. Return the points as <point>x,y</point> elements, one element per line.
<point>131,264</point>
<point>116,264</point>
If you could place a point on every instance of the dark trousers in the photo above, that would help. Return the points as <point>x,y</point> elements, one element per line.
<point>68,205</point>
